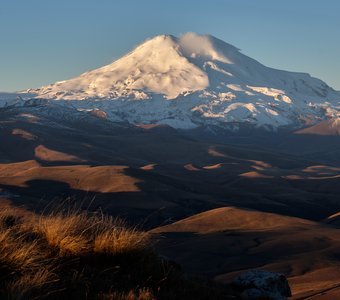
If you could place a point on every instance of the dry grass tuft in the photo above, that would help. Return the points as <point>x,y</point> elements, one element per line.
<point>34,249</point>
<point>16,254</point>
<point>29,284</point>
<point>118,240</point>
<point>141,294</point>
<point>80,233</point>
<point>66,232</point>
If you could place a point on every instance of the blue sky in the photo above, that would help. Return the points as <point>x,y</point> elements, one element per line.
<point>43,41</point>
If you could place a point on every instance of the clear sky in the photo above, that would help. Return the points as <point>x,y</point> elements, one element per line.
<point>42,41</point>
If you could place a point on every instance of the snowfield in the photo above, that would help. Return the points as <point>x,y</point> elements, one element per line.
<point>196,80</point>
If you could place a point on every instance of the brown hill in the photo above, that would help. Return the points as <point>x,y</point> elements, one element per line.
<point>231,218</point>
<point>223,241</point>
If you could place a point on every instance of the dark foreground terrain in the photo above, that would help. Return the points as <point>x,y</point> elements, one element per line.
<point>218,204</point>
<point>71,254</point>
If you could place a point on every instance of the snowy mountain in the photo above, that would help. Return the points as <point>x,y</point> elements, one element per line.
<point>197,80</point>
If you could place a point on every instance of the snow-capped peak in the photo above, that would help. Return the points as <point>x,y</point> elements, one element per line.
<point>164,65</point>
<point>156,66</point>
<point>197,80</point>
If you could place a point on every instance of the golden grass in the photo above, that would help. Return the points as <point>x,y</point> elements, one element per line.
<point>32,247</point>
<point>24,265</point>
<point>80,233</point>
<point>15,253</point>
<point>65,233</point>
<point>119,240</point>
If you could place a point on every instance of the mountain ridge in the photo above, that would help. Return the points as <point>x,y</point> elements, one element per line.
<point>197,80</point>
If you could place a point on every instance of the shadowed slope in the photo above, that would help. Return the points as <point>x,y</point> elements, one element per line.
<point>223,241</point>
<point>329,127</point>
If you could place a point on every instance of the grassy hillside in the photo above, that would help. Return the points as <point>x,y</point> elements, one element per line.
<point>81,255</point>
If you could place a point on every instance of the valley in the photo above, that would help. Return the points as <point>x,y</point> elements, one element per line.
<point>215,208</point>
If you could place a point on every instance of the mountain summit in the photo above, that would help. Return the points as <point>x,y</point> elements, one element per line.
<point>197,80</point>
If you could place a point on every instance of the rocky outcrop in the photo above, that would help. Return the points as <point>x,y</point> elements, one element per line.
<point>259,284</point>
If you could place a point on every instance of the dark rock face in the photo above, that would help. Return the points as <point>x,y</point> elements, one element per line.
<point>35,102</point>
<point>259,284</point>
